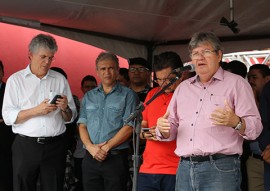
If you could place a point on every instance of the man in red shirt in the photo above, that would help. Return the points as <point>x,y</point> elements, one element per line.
<point>159,166</point>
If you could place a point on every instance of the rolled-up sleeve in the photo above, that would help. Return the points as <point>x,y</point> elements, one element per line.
<point>10,110</point>
<point>82,117</point>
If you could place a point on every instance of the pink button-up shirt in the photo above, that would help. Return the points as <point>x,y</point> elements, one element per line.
<point>192,105</point>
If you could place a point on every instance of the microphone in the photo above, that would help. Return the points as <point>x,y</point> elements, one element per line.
<point>190,67</point>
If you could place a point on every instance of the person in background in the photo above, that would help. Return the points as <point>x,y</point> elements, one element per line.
<point>139,73</point>
<point>103,130</point>
<point>88,83</point>
<point>209,115</point>
<point>160,163</point>
<point>71,127</point>
<point>264,139</point>
<point>70,181</point>
<point>6,140</point>
<point>236,67</point>
<point>39,149</point>
<point>258,76</point>
<point>123,77</point>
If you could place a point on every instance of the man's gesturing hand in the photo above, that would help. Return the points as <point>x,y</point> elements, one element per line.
<point>163,125</point>
<point>225,117</point>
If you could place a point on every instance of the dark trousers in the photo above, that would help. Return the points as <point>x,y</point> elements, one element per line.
<point>78,173</point>
<point>32,160</point>
<point>266,176</point>
<point>109,175</point>
<point>158,182</point>
<point>6,140</point>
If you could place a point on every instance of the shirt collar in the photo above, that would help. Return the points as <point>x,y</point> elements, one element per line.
<point>219,75</point>
<point>117,87</point>
<point>28,72</point>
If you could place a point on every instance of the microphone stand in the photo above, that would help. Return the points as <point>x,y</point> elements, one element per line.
<point>137,116</point>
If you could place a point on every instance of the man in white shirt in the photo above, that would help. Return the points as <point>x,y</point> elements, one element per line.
<point>39,148</point>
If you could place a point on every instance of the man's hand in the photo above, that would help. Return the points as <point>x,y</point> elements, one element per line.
<point>163,125</point>
<point>44,107</point>
<point>97,152</point>
<point>225,117</point>
<point>106,147</point>
<point>62,103</point>
<point>266,154</point>
<point>151,134</point>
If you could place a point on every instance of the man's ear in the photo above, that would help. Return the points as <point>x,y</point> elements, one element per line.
<point>30,55</point>
<point>220,53</point>
<point>267,78</point>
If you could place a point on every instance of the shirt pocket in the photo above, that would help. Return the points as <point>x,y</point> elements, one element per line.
<point>114,115</point>
<point>92,115</point>
<point>216,102</point>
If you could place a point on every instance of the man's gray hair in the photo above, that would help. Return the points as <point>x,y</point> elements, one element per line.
<point>204,37</point>
<point>43,41</point>
<point>107,56</point>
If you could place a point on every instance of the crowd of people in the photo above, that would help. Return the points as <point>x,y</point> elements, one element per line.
<point>205,130</point>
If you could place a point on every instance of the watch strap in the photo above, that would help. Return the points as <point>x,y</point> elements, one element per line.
<point>239,124</point>
<point>66,110</point>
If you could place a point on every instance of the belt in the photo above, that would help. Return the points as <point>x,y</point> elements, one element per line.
<point>207,158</point>
<point>256,156</point>
<point>42,140</point>
<point>118,152</point>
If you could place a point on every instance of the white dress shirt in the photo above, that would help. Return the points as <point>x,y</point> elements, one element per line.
<point>24,91</point>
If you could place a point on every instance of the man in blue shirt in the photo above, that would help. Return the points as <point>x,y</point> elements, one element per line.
<point>264,138</point>
<point>103,131</point>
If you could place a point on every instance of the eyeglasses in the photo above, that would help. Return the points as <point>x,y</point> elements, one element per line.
<point>205,53</point>
<point>47,58</point>
<point>160,81</point>
<point>141,70</point>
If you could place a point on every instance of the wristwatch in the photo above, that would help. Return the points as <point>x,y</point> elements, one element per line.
<point>239,125</point>
<point>66,110</point>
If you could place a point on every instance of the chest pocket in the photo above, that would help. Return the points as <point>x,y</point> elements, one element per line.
<point>93,114</point>
<point>115,114</point>
<point>216,102</point>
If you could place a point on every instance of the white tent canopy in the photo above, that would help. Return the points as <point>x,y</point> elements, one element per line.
<point>144,27</point>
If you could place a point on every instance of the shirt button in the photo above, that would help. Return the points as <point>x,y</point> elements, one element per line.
<point>196,112</point>
<point>190,139</point>
<point>192,124</point>
<point>204,88</point>
<point>200,99</point>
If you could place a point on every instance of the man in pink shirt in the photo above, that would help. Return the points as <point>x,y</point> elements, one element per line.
<point>209,116</point>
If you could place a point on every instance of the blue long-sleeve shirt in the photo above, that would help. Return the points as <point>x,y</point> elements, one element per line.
<point>104,114</point>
